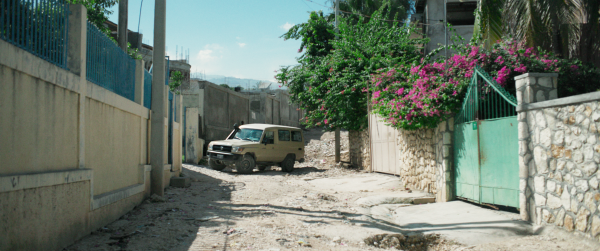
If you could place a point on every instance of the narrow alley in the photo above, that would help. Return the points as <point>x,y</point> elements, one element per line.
<point>316,207</point>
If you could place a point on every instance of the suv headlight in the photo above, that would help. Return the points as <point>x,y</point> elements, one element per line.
<point>210,147</point>
<point>237,149</point>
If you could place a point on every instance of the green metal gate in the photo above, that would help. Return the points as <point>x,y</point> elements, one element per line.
<point>486,144</point>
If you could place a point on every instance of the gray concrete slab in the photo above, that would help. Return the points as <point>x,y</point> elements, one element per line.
<point>463,222</point>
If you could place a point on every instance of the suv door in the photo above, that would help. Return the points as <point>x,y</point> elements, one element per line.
<point>298,144</point>
<point>267,147</point>
<point>284,144</point>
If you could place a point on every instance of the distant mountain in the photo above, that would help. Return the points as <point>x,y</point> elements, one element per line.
<point>246,83</point>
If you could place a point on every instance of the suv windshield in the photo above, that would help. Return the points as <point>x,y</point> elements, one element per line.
<point>249,134</point>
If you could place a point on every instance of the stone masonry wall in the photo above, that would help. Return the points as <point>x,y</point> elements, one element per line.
<point>443,160</point>
<point>360,149</point>
<point>562,156</point>
<point>416,153</point>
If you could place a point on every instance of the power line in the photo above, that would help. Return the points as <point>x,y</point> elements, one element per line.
<point>307,5</point>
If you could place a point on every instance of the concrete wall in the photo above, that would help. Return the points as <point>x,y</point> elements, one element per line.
<point>193,142</point>
<point>559,155</point>
<point>220,108</point>
<point>38,129</point>
<point>113,132</point>
<point>74,155</point>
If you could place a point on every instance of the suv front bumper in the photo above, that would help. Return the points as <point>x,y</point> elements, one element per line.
<point>223,156</point>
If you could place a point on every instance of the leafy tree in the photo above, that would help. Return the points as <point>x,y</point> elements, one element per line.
<point>225,85</point>
<point>332,76</point>
<point>396,9</point>
<point>97,11</point>
<point>176,80</point>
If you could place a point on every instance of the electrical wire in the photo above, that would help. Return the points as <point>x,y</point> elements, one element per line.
<point>304,3</point>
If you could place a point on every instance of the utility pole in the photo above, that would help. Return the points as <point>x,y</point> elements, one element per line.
<point>446,27</point>
<point>122,27</point>
<point>337,129</point>
<point>157,120</point>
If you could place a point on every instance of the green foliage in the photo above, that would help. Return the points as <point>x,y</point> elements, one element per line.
<point>133,52</point>
<point>422,95</point>
<point>353,9</point>
<point>542,23</point>
<point>332,76</point>
<point>97,12</point>
<point>176,79</point>
<point>225,85</point>
<point>316,35</point>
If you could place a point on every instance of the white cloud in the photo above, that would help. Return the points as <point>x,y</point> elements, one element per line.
<point>209,53</point>
<point>286,26</point>
<point>242,45</point>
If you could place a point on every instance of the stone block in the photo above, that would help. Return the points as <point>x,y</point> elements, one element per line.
<point>548,216</point>
<point>560,216</point>
<point>540,186</point>
<point>528,95</point>
<point>181,182</point>
<point>590,202</point>
<point>568,223</point>
<point>566,199</point>
<point>546,137</point>
<point>551,185</point>
<point>582,219</point>
<point>540,96</point>
<point>590,168</point>
<point>541,159</point>
<point>553,95</point>
<point>578,156</point>
<point>553,201</point>
<point>582,185</point>
<point>596,116</point>
<point>594,183</point>
<point>595,227</point>
<point>559,137</point>
<point>540,121</point>
<point>540,200</point>
<point>545,82</point>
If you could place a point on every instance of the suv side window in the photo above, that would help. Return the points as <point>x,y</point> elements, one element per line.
<point>284,135</point>
<point>297,136</point>
<point>269,137</point>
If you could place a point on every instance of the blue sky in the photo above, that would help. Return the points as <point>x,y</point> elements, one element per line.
<point>236,38</point>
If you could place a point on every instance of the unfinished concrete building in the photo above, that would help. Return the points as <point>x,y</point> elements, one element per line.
<point>459,13</point>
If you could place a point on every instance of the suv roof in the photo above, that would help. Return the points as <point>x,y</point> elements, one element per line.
<point>265,126</point>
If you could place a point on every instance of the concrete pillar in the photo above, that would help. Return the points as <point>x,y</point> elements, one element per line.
<point>122,27</point>
<point>76,54</point>
<point>76,61</point>
<point>531,88</point>
<point>157,147</point>
<point>139,82</point>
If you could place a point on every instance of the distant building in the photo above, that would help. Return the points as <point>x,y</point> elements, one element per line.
<point>430,13</point>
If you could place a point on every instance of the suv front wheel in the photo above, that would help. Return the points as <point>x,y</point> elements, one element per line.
<point>288,163</point>
<point>216,164</point>
<point>245,164</point>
